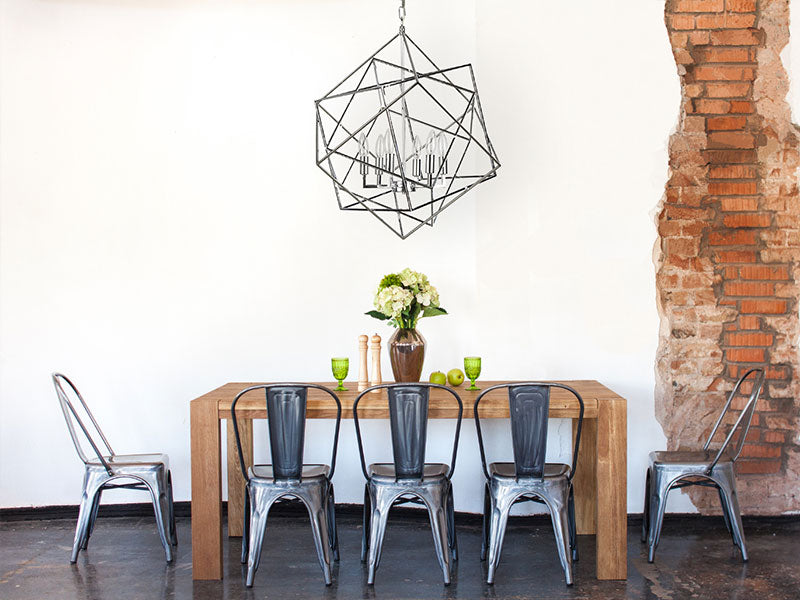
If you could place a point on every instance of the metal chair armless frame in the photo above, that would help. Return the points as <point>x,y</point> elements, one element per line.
<point>151,475</point>
<point>527,478</point>
<point>286,419</point>
<point>409,479</point>
<point>676,469</point>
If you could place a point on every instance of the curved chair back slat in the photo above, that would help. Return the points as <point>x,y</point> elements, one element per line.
<point>64,389</point>
<point>742,424</point>
<point>529,406</point>
<point>286,426</point>
<point>408,416</point>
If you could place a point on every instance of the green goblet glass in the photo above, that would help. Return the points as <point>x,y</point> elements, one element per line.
<point>340,368</point>
<point>472,368</point>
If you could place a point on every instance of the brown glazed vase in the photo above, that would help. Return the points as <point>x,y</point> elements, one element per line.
<point>406,353</point>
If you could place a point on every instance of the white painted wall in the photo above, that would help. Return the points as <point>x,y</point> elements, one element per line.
<point>163,227</point>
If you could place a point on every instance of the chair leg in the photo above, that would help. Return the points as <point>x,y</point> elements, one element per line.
<point>315,500</point>
<point>246,525</point>
<point>157,484</point>
<point>646,510</point>
<point>497,531</point>
<point>732,501</point>
<point>487,515</point>
<point>92,518</point>
<point>658,505</point>
<point>258,525</point>
<point>333,534</point>
<point>91,485</point>
<point>573,530</point>
<point>173,531</point>
<point>380,504</point>
<point>725,512</point>
<point>451,525</point>
<point>436,500</point>
<point>367,517</point>
<point>559,517</point>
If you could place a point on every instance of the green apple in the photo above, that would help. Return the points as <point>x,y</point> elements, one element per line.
<point>455,377</point>
<point>438,377</point>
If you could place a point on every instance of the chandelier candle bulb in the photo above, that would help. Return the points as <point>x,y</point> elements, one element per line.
<point>363,375</point>
<point>375,347</point>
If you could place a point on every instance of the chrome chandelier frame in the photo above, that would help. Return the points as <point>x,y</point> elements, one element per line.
<point>435,147</point>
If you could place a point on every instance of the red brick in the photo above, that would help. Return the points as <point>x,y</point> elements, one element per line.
<point>765,307</point>
<point>727,90</point>
<point>719,73</point>
<point>736,37</point>
<point>699,38</point>
<point>682,22</point>
<point>735,256</point>
<point>731,139</point>
<point>734,237</point>
<point>746,355</point>
<point>749,288</point>
<point>738,204</point>
<point>732,171</point>
<point>761,451</point>
<point>699,6</point>
<point>747,220</point>
<point>725,123</point>
<point>764,272</point>
<point>775,437</point>
<point>778,373</point>
<point>732,188</point>
<point>741,106</point>
<point>749,339</point>
<point>682,246</point>
<point>742,5</point>
<point>760,467</point>
<point>718,157</point>
<point>716,54</point>
<point>712,107</point>
<point>725,21</point>
<point>685,212</point>
<point>749,322</point>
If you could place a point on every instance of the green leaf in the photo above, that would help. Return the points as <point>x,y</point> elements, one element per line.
<point>377,315</point>
<point>433,311</point>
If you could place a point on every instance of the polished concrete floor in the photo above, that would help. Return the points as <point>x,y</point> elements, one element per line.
<point>125,561</point>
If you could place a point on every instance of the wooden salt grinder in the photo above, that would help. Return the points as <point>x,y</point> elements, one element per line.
<point>375,347</point>
<point>363,374</point>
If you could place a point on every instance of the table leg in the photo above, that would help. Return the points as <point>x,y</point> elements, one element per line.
<point>612,526</point>
<point>236,481</point>
<point>206,491</point>
<point>585,480</point>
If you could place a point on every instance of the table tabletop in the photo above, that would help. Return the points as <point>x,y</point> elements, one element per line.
<point>442,404</point>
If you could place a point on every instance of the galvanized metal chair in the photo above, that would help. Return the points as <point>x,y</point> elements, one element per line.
<point>408,479</point>
<point>680,468</point>
<point>149,472</point>
<point>287,477</point>
<point>529,477</point>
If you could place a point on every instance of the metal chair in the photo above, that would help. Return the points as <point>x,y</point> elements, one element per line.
<point>409,479</point>
<point>529,477</point>
<point>679,468</point>
<point>287,477</point>
<point>150,472</point>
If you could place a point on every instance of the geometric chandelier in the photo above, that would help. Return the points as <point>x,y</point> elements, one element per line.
<point>402,138</point>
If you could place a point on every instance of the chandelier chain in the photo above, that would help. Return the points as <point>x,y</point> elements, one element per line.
<point>401,12</point>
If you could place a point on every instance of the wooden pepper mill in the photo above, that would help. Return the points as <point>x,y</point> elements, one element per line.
<point>375,347</point>
<point>363,374</point>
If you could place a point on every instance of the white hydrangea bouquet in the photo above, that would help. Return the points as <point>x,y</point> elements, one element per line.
<point>405,297</point>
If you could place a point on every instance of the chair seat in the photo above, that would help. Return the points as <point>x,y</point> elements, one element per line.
<point>699,459</point>
<point>386,471</point>
<point>308,472</point>
<point>507,470</point>
<point>133,460</point>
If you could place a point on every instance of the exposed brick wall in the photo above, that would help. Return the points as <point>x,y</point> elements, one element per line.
<point>727,262</point>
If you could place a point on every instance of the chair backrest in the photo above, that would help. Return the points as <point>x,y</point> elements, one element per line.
<point>88,427</point>
<point>286,426</point>
<point>742,424</point>
<point>408,419</point>
<point>529,407</point>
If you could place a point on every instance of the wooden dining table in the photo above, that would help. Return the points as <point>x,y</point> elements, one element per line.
<point>600,480</point>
